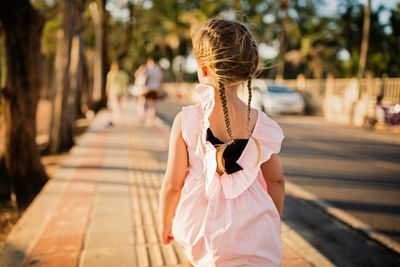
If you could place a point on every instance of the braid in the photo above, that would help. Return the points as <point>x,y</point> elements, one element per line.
<point>248,107</point>
<point>225,110</point>
<point>221,148</point>
<point>230,50</point>
<point>248,120</point>
<point>211,32</point>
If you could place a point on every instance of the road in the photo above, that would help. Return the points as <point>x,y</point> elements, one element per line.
<point>354,170</point>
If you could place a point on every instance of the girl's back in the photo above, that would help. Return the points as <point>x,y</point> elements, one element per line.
<point>228,219</point>
<point>223,191</point>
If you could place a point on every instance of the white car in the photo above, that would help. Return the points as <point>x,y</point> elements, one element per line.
<point>274,99</point>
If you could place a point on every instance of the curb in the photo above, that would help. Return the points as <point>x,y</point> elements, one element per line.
<point>343,216</point>
<point>303,248</point>
<point>20,241</point>
<point>162,124</point>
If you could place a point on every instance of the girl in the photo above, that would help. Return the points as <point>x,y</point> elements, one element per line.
<point>221,159</point>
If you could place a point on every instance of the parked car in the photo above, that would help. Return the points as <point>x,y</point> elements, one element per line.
<point>274,98</point>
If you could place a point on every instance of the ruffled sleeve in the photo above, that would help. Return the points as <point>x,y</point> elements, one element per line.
<point>190,123</point>
<point>266,133</point>
<point>270,136</point>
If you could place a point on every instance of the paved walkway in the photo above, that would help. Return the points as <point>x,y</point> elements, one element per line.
<point>100,209</point>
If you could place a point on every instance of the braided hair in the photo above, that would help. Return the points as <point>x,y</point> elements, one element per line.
<point>221,148</point>
<point>228,48</point>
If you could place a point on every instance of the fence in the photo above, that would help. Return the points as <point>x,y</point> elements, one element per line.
<point>388,87</point>
<point>346,100</point>
<point>372,87</point>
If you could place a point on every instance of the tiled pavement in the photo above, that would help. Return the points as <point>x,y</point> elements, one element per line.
<point>100,209</point>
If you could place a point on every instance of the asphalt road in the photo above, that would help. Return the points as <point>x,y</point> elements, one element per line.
<point>355,170</point>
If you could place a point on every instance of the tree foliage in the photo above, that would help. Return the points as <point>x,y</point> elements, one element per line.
<point>162,29</point>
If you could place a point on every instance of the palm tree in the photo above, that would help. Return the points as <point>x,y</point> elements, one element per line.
<point>365,38</point>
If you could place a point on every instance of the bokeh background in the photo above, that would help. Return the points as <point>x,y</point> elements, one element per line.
<point>339,58</point>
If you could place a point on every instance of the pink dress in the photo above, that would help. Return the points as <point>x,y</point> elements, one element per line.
<point>227,220</point>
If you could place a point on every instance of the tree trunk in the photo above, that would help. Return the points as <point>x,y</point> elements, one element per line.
<point>365,38</point>
<point>104,52</point>
<point>20,159</point>
<point>124,47</point>
<point>68,66</point>
<point>283,37</point>
<point>100,20</point>
<point>84,97</point>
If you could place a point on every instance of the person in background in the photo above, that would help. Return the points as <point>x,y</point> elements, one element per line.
<point>153,90</point>
<point>117,82</point>
<point>140,89</point>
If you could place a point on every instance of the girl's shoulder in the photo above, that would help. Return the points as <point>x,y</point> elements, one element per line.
<point>191,113</point>
<point>194,108</point>
<point>185,113</point>
<point>190,119</point>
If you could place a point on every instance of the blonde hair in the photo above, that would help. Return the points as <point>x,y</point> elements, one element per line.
<point>229,49</point>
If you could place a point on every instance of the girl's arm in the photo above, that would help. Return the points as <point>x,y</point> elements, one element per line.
<point>173,179</point>
<point>275,179</point>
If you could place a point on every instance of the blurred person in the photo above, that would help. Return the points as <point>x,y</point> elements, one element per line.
<point>140,89</point>
<point>117,82</point>
<point>388,115</point>
<point>378,116</point>
<point>380,110</point>
<point>153,90</point>
<point>223,191</point>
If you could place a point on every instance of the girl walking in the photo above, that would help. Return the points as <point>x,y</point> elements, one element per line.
<point>224,182</point>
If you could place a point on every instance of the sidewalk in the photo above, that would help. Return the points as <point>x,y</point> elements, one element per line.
<point>100,209</point>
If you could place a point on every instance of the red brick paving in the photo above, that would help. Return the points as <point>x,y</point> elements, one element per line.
<point>62,239</point>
